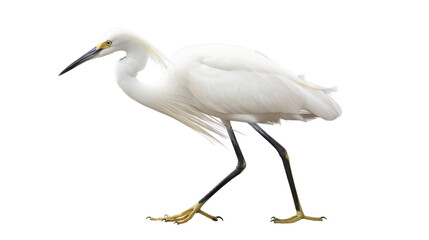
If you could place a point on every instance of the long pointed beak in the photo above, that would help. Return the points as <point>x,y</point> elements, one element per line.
<point>87,56</point>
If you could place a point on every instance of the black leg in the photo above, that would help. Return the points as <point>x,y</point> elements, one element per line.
<point>285,158</point>
<point>240,166</point>
<point>189,213</point>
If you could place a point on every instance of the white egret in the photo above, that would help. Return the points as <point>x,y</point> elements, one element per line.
<point>206,87</point>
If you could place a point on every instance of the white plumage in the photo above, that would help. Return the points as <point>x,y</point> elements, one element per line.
<point>203,84</point>
<point>238,84</point>
<point>206,87</point>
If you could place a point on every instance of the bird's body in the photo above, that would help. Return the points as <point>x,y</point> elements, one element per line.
<point>225,82</point>
<point>206,87</point>
<point>238,84</point>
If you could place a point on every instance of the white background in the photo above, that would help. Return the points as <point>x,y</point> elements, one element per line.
<point>80,160</point>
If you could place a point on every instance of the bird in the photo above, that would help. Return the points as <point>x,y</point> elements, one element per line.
<point>206,87</point>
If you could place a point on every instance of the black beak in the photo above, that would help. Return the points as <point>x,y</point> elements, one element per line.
<point>87,56</point>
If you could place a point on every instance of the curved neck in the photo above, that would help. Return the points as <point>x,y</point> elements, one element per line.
<point>148,93</point>
<point>166,95</point>
<point>132,63</point>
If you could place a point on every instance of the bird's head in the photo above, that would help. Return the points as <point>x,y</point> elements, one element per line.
<point>113,41</point>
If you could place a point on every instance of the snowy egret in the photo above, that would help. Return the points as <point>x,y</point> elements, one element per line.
<point>206,87</point>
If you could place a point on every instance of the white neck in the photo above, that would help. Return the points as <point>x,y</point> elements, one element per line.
<point>165,95</point>
<point>148,93</point>
<point>132,63</point>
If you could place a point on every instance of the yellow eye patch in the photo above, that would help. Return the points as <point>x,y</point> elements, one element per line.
<point>105,44</point>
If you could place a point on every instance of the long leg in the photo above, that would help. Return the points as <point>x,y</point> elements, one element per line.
<point>188,214</point>
<point>238,169</point>
<point>286,163</point>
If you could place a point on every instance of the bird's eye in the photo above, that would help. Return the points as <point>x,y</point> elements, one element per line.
<point>109,42</point>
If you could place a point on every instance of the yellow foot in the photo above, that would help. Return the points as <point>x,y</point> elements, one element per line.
<point>186,215</point>
<point>299,215</point>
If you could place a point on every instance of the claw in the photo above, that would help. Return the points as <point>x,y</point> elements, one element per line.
<point>148,217</point>
<point>186,215</point>
<point>299,215</point>
<point>323,217</point>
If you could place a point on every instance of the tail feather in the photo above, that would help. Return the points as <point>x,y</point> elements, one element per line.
<point>318,100</point>
<point>321,104</point>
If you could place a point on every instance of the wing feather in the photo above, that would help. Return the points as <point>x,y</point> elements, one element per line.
<point>229,81</point>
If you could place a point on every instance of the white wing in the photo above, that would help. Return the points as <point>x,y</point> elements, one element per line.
<point>243,85</point>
